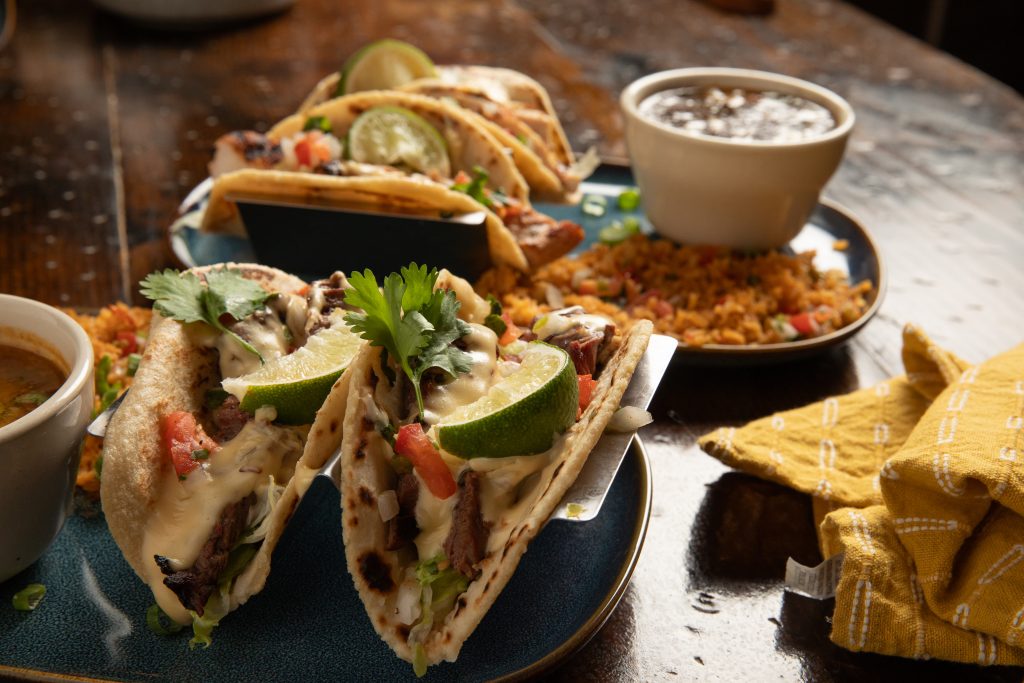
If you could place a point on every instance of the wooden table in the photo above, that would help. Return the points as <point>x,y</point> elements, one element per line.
<point>105,126</point>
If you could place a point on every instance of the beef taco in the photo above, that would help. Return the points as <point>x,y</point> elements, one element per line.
<point>241,386</point>
<point>453,457</point>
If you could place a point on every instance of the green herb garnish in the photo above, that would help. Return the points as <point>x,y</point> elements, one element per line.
<point>29,597</point>
<point>31,397</point>
<point>159,623</point>
<point>107,392</point>
<point>629,199</point>
<point>321,123</point>
<point>523,139</point>
<point>494,319</point>
<point>475,186</point>
<point>200,454</point>
<point>414,323</point>
<point>133,363</point>
<point>619,231</point>
<point>184,297</point>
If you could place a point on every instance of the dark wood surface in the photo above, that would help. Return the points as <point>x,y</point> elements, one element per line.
<point>105,125</point>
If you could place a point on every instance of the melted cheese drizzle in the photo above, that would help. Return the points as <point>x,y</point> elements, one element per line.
<point>267,336</point>
<point>482,345</point>
<point>186,512</point>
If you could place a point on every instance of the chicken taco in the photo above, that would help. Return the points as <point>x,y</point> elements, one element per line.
<point>462,434</point>
<point>241,389</point>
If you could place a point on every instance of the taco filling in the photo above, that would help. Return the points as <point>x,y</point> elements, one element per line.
<point>458,436</point>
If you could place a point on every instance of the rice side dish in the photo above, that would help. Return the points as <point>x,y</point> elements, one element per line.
<point>699,295</point>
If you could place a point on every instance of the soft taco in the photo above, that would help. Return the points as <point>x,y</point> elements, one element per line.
<point>517,234</point>
<point>219,438</point>
<point>516,108</point>
<point>454,457</point>
<point>389,63</point>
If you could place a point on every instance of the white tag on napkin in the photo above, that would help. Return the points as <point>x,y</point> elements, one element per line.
<point>814,582</point>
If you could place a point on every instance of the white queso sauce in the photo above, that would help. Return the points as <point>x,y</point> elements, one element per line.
<point>739,114</point>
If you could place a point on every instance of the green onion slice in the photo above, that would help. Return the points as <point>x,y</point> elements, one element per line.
<point>28,598</point>
<point>159,623</point>
<point>594,205</point>
<point>629,199</point>
<point>619,231</point>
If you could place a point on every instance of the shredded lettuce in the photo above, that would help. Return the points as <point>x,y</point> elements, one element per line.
<point>266,506</point>
<point>440,589</point>
<point>219,604</point>
<point>419,661</point>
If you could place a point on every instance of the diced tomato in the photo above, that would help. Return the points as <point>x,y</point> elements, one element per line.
<point>303,152</point>
<point>587,287</point>
<point>412,443</point>
<point>662,308</point>
<point>587,384</point>
<point>131,342</point>
<point>804,324</point>
<point>609,287</point>
<point>462,177</point>
<point>512,331</point>
<point>182,437</point>
<point>303,290</point>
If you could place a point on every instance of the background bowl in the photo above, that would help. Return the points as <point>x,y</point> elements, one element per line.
<point>39,452</point>
<point>736,193</point>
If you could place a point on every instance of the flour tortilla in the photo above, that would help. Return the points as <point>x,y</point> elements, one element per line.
<point>469,142</point>
<point>174,375</point>
<point>498,84</point>
<point>391,193</point>
<point>365,476</point>
<point>534,159</point>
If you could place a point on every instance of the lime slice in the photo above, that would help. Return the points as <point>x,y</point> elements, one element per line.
<point>297,384</point>
<point>384,65</point>
<point>519,415</point>
<point>394,136</point>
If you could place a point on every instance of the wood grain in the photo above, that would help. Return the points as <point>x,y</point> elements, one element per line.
<point>105,126</point>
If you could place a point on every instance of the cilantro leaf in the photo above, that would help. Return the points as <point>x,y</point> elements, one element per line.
<point>447,328</point>
<point>184,297</point>
<point>413,323</point>
<point>476,187</point>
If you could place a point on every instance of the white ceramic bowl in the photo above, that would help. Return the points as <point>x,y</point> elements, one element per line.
<point>745,194</point>
<point>39,452</point>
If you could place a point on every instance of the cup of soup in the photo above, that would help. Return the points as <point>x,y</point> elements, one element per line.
<point>732,157</point>
<point>46,399</point>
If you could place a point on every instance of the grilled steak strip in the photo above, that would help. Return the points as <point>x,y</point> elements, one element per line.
<point>583,346</point>
<point>541,237</point>
<point>402,529</point>
<point>228,419</point>
<point>466,544</point>
<point>195,585</point>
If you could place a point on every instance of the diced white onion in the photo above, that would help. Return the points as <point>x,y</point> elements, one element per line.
<point>628,419</point>
<point>387,504</point>
<point>580,275</point>
<point>587,164</point>
<point>333,146</point>
<point>407,605</point>
<point>265,414</point>
<point>554,296</point>
<point>550,324</point>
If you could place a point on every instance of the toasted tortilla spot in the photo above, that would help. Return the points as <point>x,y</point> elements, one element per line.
<point>403,631</point>
<point>376,572</point>
<point>334,426</point>
<point>366,496</point>
<point>360,454</point>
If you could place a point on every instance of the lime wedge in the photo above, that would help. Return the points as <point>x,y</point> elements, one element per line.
<point>297,384</point>
<point>519,415</point>
<point>394,136</point>
<point>384,65</point>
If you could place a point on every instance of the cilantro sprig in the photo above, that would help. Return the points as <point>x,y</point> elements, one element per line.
<point>476,186</point>
<point>414,323</point>
<point>184,297</point>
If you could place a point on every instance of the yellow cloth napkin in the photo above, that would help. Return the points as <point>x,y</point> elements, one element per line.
<point>920,483</point>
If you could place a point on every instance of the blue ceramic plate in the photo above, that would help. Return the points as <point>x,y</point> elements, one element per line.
<point>308,623</point>
<point>829,223</point>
